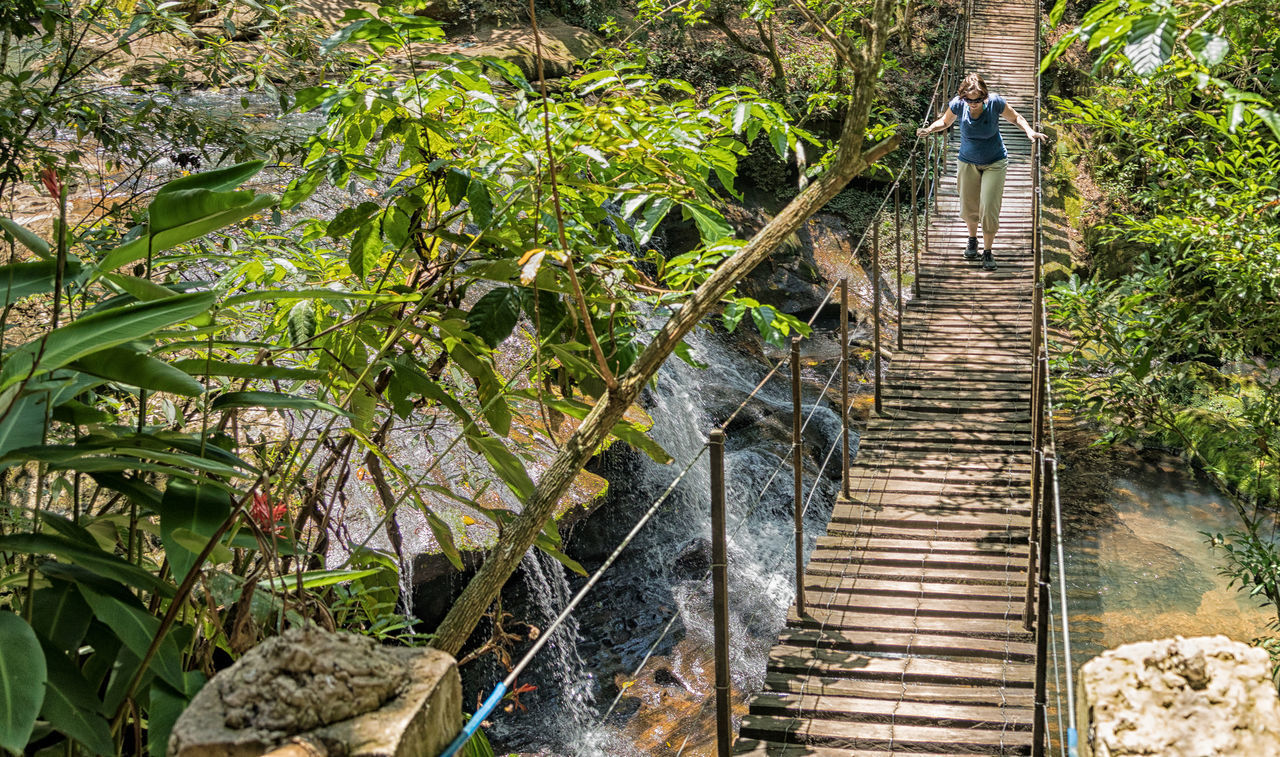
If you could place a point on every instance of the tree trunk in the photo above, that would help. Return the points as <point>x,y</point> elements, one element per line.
<point>520,533</point>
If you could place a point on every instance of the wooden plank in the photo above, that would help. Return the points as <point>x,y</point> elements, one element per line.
<point>885,736</point>
<point>908,642</point>
<point>842,664</point>
<point>907,691</point>
<point>854,709</point>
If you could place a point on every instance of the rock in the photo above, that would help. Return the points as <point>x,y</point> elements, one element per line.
<point>1198,697</point>
<point>563,47</point>
<point>448,12</point>
<point>342,693</point>
<point>694,560</point>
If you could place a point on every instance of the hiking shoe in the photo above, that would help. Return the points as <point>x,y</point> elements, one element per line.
<point>988,261</point>
<point>971,252</point>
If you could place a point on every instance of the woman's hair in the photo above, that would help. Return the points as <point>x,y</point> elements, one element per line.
<point>971,83</point>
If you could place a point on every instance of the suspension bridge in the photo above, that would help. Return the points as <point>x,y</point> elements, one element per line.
<point>913,628</point>
<point>923,616</point>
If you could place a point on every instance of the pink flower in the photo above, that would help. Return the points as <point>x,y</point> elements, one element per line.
<point>266,515</point>
<point>51,183</point>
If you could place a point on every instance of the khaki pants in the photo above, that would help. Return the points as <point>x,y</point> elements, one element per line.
<point>981,191</point>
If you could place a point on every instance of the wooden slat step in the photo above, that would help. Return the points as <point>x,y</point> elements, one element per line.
<point>757,748</point>
<point>854,709</point>
<point>833,618</point>
<point>842,664</point>
<point>835,585</point>
<point>1013,576</point>
<point>932,516</point>
<point>906,642</point>
<point>907,691</point>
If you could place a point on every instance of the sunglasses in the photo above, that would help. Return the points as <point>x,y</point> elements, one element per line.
<point>975,101</point>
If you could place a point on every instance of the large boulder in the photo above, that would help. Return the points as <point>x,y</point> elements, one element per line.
<point>563,47</point>
<point>1201,697</point>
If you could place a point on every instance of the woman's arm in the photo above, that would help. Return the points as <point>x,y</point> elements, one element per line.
<point>1015,118</point>
<point>941,124</point>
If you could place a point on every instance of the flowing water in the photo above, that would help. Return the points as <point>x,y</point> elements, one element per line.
<point>654,604</point>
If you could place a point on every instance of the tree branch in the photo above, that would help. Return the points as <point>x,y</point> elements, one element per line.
<point>520,534</point>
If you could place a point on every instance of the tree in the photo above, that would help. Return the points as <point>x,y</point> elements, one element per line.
<point>850,159</point>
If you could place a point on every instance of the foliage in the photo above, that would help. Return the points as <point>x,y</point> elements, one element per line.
<point>1209,46</point>
<point>1180,347</point>
<point>485,279</point>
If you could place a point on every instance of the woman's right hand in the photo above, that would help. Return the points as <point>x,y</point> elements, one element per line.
<point>923,131</point>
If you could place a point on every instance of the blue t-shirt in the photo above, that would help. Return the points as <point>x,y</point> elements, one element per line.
<point>980,141</point>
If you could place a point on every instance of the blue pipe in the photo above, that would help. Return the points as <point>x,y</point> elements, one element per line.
<point>1073,745</point>
<point>473,724</point>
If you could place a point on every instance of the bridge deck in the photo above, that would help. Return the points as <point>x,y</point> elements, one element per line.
<point>912,640</point>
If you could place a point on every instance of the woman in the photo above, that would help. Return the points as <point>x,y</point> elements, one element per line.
<point>982,159</point>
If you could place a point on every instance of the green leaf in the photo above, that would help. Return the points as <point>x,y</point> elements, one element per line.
<point>25,237</point>
<point>349,219</point>
<point>126,366</point>
<point>200,195</point>
<point>144,290</point>
<point>455,185</point>
<point>18,280</point>
<point>366,249</point>
<point>444,537</point>
<point>60,614</point>
<point>494,315</point>
<point>1055,14</point>
<point>301,323</point>
<point>22,677</point>
<point>274,400</point>
<point>711,225</point>
<point>99,331</point>
<point>1270,118</point>
<point>137,628</point>
<point>199,367</point>
<point>165,705</point>
<point>481,204</point>
<point>198,510</point>
<point>504,463</point>
<point>544,543</point>
<point>1150,43</point>
<point>71,705</point>
<point>302,188</point>
<point>1209,48</point>
<point>103,563</point>
<point>315,579</point>
<point>137,249</point>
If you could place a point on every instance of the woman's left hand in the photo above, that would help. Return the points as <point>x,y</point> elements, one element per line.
<point>1033,136</point>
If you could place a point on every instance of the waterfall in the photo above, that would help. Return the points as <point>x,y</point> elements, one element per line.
<point>663,574</point>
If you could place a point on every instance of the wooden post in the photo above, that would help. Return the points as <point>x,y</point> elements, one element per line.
<point>915,229</point>
<point>797,465</point>
<point>844,380</point>
<point>720,597</point>
<point>1046,515</point>
<point>1033,541</point>
<point>897,249</point>
<point>1038,728</point>
<point>875,306</point>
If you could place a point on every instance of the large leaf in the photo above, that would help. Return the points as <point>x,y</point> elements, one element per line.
<point>1150,43</point>
<point>18,280</point>
<point>126,366</point>
<point>165,705</point>
<point>201,195</point>
<point>137,249</point>
<point>504,463</point>
<point>494,315</point>
<point>23,424</point>
<point>60,615</point>
<point>274,400</point>
<point>314,579</point>
<point>25,237</point>
<point>199,509</point>
<point>93,333</point>
<point>301,323</point>
<point>71,705</point>
<point>103,563</point>
<point>624,430</point>
<point>200,367</point>
<point>137,628</point>
<point>22,677</point>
